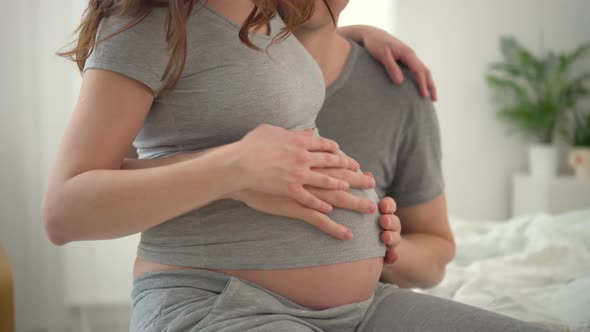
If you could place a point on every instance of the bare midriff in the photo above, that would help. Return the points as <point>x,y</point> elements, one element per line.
<point>316,287</point>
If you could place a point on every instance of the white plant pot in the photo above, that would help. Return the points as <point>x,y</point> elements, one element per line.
<point>579,160</point>
<point>543,160</point>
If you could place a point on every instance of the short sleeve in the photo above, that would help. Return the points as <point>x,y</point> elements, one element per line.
<point>139,52</point>
<point>418,176</point>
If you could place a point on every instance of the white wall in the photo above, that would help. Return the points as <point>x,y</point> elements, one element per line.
<point>37,95</point>
<point>457,39</point>
<point>19,171</point>
<point>379,13</point>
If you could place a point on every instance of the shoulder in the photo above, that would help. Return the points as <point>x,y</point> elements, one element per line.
<point>368,68</point>
<point>403,99</point>
<point>146,28</point>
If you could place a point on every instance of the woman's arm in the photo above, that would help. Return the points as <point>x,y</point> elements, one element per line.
<point>134,163</point>
<point>284,206</point>
<point>387,50</point>
<point>89,197</point>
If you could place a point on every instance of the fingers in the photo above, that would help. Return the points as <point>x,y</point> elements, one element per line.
<point>316,143</point>
<point>426,84</point>
<point>431,86</point>
<point>324,223</point>
<point>304,197</point>
<point>345,200</point>
<point>325,160</point>
<point>355,179</point>
<point>304,132</point>
<point>391,235</point>
<point>390,239</point>
<point>390,222</point>
<point>421,81</point>
<point>390,257</point>
<point>421,73</point>
<point>393,70</point>
<point>321,181</point>
<point>370,183</point>
<point>387,205</point>
<point>318,220</point>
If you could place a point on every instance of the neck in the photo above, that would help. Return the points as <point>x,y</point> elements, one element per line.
<point>328,48</point>
<point>236,11</point>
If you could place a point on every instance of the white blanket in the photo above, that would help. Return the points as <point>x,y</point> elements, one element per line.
<point>534,268</point>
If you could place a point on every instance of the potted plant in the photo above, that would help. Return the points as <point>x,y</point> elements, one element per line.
<point>578,135</point>
<point>532,92</point>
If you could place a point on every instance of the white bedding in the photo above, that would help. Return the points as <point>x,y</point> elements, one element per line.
<point>534,268</point>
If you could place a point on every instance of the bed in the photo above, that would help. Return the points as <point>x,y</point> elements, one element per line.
<point>535,268</point>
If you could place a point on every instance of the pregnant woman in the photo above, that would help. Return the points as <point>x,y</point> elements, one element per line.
<point>185,76</point>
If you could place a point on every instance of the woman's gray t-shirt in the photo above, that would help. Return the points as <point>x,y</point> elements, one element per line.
<point>225,91</point>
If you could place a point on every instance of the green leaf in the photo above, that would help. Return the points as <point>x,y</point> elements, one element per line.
<point>506,85</point>
<point>533,92</point>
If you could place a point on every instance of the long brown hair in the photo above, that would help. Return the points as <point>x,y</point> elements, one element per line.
<point>294,13</point>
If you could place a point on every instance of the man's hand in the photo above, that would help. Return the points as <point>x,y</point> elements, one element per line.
<point>392,228</point>
<point>387,49</point>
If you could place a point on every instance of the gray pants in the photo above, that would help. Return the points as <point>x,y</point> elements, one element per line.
<point>201,300</point>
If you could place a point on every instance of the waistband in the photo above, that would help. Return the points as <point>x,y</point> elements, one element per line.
<point>192,278</point>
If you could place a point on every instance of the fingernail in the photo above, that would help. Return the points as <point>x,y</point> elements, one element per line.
<point>347,235</point>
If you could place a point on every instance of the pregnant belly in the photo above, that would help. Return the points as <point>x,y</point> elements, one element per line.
<point>317,287</point>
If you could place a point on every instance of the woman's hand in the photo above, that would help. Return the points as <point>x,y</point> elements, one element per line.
<point>387,50</point>
<point>392,228</point>
<point>276,161</point>
<point>287,207</point>
<point>344,199</point>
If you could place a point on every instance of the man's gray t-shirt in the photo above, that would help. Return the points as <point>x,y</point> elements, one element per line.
<point>225,91</point>
<point>389,129</point>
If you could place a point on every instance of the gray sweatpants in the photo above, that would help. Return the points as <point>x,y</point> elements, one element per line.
<point>201,300</point>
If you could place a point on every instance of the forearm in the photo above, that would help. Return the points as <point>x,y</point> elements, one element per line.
<point>134,163</point>
<point>422,259</point>
<point>104,204</point>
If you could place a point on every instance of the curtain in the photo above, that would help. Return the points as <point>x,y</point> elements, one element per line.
<point>38,93</point>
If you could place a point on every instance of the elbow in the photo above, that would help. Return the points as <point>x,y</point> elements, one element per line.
<point>431,279</point>
<point>53,222</point>
<point>54,230</point>
<point>54,237</point>
<point>435,277</point>
<point>439,271</point>
<point>452,248</point>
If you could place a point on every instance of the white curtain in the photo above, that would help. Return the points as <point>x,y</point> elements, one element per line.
<point>38,92</point>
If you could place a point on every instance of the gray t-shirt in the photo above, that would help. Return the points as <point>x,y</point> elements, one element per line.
<point>225,91</point>
<point>390,130</point>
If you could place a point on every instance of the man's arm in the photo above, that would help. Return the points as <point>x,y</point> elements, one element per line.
<point>426,246</point>
<point>131,161</point>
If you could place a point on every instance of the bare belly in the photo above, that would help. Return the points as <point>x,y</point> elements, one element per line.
<point>317,287</point>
